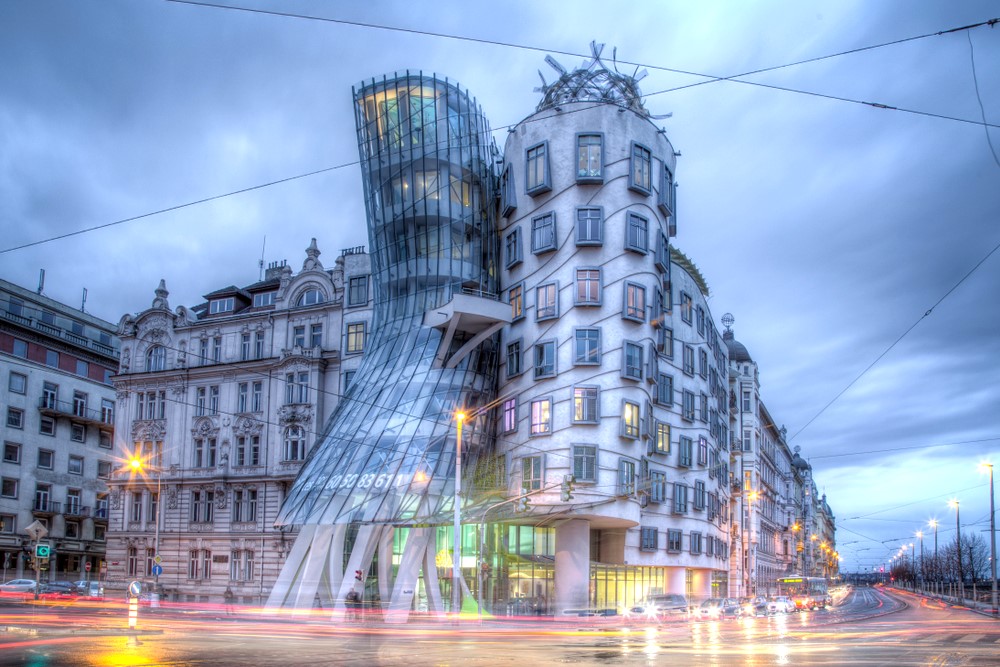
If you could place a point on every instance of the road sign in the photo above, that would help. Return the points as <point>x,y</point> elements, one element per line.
<point>157,570</point>
<point>36,530</point>
<point>42,550</point>
<point>87,566</point>
<point>157,559</point>
<point>134,589</point>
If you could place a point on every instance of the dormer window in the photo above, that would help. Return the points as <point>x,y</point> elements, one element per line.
<point>310,297</point>
<point>262,299</point>
<point>217,306</point>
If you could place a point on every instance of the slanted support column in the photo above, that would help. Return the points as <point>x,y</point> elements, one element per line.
<point>572,565</point>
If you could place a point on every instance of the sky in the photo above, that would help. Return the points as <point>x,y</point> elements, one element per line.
<point>838,234</point>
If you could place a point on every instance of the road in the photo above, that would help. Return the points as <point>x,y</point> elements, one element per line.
<point>870,627</point>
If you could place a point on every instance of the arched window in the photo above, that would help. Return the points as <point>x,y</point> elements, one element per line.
<point>310,297</point>
<point>295,443</point>
<point>156,358</point>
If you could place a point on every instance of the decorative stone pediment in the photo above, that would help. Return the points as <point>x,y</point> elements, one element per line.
<point>247,426</point>
<point>291,415</point>
<point>221,497</point>
<point>149,430</point>
<point>204,427</point>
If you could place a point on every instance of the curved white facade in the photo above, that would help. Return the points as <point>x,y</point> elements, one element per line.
<point>602,325</point>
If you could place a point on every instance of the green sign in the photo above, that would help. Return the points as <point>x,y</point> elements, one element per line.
<point>42,550</point>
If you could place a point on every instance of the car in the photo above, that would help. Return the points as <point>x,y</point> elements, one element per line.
<point>755,606</point>
<point>91,589</point>
<point>710,609</point>
<point>18,586</point>
<point>663,604</point>
<point>59,586</point>
<point>56,590</point>
<point>780,605</point>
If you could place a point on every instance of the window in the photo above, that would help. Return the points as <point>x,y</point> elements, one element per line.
<point>589,162</point>
<point>585,463</point>
<point>543,233</point>
<point>746,400</point>
<point>747,445</point>
<point>648,539</point>
<point>700,320</point>
<point>545,360</point>
<point>202,506</point>
<point>665,390</point>
<point>631,420</point>
<point>103,469</point>
<point>626,477</point>
<point>47,426</point>
<point>244,505</point>
<point>78,433</point>
<point>668,192</point>
<point>686,307</point>
<point>52,358</point>
<point>213,400</point>
<point>588,287</point>
<point>685,446</point>
<point>515,297</point>
<point>50,395</point>
<point>8,523</point>
<point>20,348</point>
<point>635,302</point>
<point>657,487</point>
<point>589,225</point>
<point>256,398</point>
<point>586,405</point>
<point>541,416</point>
<point>673,540</point>
<point>75,466</point>
<point>203,350</point>
<point>661,259</point>
<point>11,452</point>
<point>631,360</point>
<point>661,444</point>
<point>703,412</point>
<point>316,335</point>
<point>73,501</point>
<point>8,488</point>
<point>680,498</point>
<point>310,297</point>
<point>546,302</point>
<point>43,494</point>
<point>688,405</point>
<point>299,336</point>
<point>512,247</point>
<point>15,418</point>
<point>514,358</point>
<point>355,338</point>
<point>258,345</point>
<point>348,378</point>
<point>508,196</point>
<point>261,299</point>
<point>17,383</point>
<point>295,443</point>
<point>509,411</point>
<point>637,234</point>
<point>82,368</point>
<point>640,171</point>
<point>699,495</point>
<point>297,387</point>
<point>587,346</point>
<point>696,543</point>
<point>242,394</point>
<point>217,349</point>
<point>247,450</point>
<point>702,363</point>
<point>241,565</point>
<point>357,291</point>
<point>688,360</point>
<point>531,473</point>
<point>204,452</point>
<point>244,346</point>
<point>216,306</point>
<point>537,164</point>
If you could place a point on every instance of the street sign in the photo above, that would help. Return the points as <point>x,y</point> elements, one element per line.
<point>134,589</point>
<point>157,570</point>
<point>157,559</point>
<point>36,530</point>
<point>87,566</point>
<point>42,550</point>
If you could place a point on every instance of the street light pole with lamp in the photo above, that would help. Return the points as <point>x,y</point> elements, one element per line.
<point>958,543</point>
<point>993,542</point>
<point>456,559</point>
<point>933,523</point>
<point>920,536</point>
<point>138,468</point>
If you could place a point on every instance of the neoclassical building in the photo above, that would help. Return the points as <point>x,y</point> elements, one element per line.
<point>220,403</point>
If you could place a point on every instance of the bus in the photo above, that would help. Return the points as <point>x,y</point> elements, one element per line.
<point>805,592</point>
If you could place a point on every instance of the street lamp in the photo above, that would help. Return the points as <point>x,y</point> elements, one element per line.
<point>138,468</point>
<point>751,496</point>
<point>993,541</point>
<point>920,536</point>
<point>933,523</point>
<point>958,542</point>
<point>456,559</point>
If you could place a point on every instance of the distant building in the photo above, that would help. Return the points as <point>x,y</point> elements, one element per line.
<point>221,403</point>
<point>56,364</point>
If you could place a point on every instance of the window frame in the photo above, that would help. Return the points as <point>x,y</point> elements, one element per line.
<point>355,286</point>
<point>508,191</point>
<point>661,438</point>
<point>513,248</point>
<point>584,461</point>
<point>516,303</point>
<point>541,151</point>
<point>640,225</point>
<point>577,340</point>
<point>636,159</point>
<point>632,370</point>
<point>351,337</point>
<point>22,382</point>
<point>539,370</point>
<point>664,397</point>
<point>578,226</point>
<point>630,310</point>
<point>551,311</point>
<point>667,196</point>
<point>540,422</point>
<point>544,224</point>
<point>587,282</point>
<point>517,348</point>
<point>631,429</point>
<point>586,175</point>
<point>591,399</point>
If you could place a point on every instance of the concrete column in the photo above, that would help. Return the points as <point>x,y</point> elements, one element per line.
<point>675,580</point>
<point>572,565</point>
<point>701,585</point>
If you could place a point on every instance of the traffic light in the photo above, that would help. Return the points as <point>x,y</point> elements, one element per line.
<point>523,504</point>
<point>567,488</point>
<point>42,554</point>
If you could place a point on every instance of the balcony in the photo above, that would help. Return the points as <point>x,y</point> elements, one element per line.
<point>50,407</point>
<point>45,507</point>
<point>100,515</point>
<point>75,510</point>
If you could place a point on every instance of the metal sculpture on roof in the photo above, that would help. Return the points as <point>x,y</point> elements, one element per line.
<point>593,81</point>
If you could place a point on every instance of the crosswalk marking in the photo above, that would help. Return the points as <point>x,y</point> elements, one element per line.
<point>969,639</point>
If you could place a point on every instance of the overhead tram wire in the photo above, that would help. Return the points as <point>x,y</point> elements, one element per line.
<point>710,79</point>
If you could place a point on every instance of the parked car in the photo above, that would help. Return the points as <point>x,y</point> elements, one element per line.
<point>664,604</point>
<point>56,590</point>
<point>780,605</point>
<point>91,589</point>
<point>18,586</point>
<point>710,609</point>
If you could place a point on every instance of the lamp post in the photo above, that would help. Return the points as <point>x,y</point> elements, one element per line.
<point>138,468</point>
<point>456,559</point>
<point>958,543</point>
<point>993,542</point>
<point>920,536</point>
<point>751,496</point>
<point>933,523</point>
